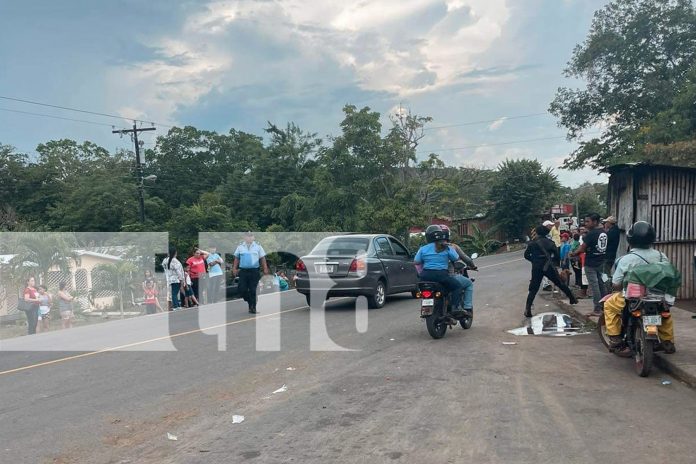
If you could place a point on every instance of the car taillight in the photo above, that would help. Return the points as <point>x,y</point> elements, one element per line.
<point>357,265</point>
<point>300,266</point>
<point>427,294</point>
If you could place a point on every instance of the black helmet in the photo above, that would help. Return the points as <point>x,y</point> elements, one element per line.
<point>434,233</point>
<point>641,235</point>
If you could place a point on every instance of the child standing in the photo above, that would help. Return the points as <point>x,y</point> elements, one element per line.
<point>151,301</point>
<point>189,296</point>
<point>45,301</point>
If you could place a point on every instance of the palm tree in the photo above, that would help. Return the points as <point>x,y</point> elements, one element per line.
<point>121,273</point>
<point>38,252</point>
<point>480,241</point>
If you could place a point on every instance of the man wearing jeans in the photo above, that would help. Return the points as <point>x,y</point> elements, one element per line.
<point>594,246</point>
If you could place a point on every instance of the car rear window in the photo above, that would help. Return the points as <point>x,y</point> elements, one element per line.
<point>341,246</point>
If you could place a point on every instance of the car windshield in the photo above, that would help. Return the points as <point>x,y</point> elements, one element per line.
<point>341,246</point>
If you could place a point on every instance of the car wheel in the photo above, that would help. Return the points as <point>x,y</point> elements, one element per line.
<point>379,297</point>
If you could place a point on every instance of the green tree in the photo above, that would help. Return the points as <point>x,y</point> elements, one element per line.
<point>38,252</point>
<point>118,277</point>
<point>521,190</point>
<point>636,60</point>
<point>481,242</point>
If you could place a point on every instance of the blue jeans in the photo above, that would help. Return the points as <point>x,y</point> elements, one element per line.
<point>468,285</point>
<point>596,284</point>
<point>452,284</point>
<point>176,288</point>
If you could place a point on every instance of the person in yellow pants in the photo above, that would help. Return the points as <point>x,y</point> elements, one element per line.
<point>640,237</point>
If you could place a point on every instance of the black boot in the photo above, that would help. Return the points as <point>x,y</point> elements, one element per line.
<point>528,312</point>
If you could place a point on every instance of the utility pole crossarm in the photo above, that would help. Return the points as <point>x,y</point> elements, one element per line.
<point>139,165</point>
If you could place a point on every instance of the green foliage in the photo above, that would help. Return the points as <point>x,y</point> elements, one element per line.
<point>37,253</point>
<point>521,190</point>
<point>481,242</point>
<point>366,179</point>
<point>638,62</point>
<point>589,198</point>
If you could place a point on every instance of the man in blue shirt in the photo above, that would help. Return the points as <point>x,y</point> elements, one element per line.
<point>435,258</point>
<point>248,256</point>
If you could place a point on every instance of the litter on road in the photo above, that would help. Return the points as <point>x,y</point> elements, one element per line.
<point>552,325</point>
<point>237,419</point>
<point>171,437</point>
<point>282,389</point>
<point>666,382</point>
<point>290,369</point>
<point>509,343</point>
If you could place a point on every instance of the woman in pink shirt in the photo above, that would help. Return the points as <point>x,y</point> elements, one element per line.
<point>197,264</point>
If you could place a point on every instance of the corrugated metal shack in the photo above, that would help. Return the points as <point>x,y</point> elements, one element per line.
<point>665,196</point>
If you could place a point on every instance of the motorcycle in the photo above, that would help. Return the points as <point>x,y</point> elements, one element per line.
<point>642,315</point>
<point>436,308</point>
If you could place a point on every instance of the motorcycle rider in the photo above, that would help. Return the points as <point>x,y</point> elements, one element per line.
<point>467,284</point>
<point>543,254</point>
<point>435,258</point>
<point>640,237</point>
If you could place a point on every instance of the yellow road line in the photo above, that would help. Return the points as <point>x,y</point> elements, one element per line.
<point>143,342</point>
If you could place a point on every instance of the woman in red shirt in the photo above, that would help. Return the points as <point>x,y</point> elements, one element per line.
<point>197,263</point>
<point>31,296</point>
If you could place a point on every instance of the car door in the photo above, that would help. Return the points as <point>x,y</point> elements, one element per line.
<point>391,265</point>
<point>409,276</point>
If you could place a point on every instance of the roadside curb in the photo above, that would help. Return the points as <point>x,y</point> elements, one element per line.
<point>661,361</point>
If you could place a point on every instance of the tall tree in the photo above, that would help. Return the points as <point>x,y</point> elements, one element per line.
<point>636,61</point>
<point>521,190</point>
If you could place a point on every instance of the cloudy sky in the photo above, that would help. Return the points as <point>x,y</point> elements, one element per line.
<point>239,63</point>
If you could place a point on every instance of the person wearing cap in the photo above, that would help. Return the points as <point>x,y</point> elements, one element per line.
<point>613,237</point>
<point>248,257</point>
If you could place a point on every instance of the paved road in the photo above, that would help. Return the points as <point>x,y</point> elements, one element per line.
<point>398,396</point>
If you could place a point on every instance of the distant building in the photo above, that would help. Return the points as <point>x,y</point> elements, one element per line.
<point>665,196</point>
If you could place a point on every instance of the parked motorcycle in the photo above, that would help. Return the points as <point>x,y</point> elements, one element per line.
<point>436,308</point>
<point>643,313</point>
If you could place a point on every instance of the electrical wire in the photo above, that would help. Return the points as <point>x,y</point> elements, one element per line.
<point>67,108</point>
<point>511,142</point>
<point>57,117</point>
<point>486,121</point>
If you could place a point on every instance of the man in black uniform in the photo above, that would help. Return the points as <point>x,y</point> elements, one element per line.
<point>542,253</point>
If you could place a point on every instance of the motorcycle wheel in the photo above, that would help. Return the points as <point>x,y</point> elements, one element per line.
<point>436,325</point>
<point>643,352</point>
<point>602,332</point>
<point>466,322</point>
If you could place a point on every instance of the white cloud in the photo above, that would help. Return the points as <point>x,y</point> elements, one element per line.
<point>497,123</point>
<point>402,47</point>
<point>181,74</point>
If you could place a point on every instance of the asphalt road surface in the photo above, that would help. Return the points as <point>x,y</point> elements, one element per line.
<point>111,393</point>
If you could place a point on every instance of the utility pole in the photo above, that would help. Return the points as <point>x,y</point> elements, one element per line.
<point>139,164</point>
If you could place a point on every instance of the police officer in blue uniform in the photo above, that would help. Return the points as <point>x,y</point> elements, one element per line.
<point>248,257</point>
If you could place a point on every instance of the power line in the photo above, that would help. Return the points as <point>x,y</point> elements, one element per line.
<point>473,123</point>
<point>57,117</point>
<point>511,142</point>
<point>67,108</point>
